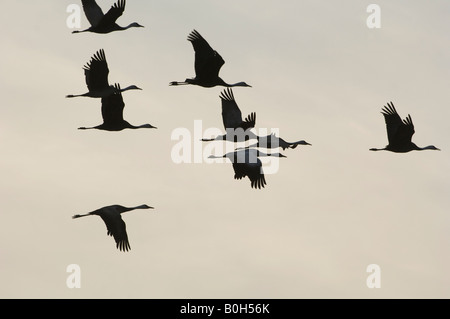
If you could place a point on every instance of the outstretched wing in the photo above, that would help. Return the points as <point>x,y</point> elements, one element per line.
<point>399,132</point>
<point>207,61</point>
<point>249,121</point>
<point>112,107</point>
<point>93,12</point>
<point>232,115</point>
<point>250,169</point>
<point>117,229</point>
<point>113,14</point>
<point>408,128</point>
<point>96,72</point>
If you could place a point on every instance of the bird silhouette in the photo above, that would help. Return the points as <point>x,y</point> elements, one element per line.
<point>207,65</point>
<point>237,130</point>
<point>96,75</point>
<point>114,223</point>
<point>399,132</point>
<point>112,114</point>
<point>272,141</point>
<point>247,163</point>
<point>104,23</point>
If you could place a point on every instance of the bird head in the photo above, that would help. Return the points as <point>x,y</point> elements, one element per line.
<point>243,84</point>
<point>148,126</point>
<point>135,25</point>
<point>133,87</point>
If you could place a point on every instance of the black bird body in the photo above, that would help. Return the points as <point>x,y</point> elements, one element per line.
<point>112,114</point>
<point>232,115</point>
<point>237,130</point>
<point>399,132</point>
<point>114,223</point>
<point>104,23</point>
<point>245,166</point>
<point>207,65</point>
<point>246,163</point>
<point>96,73</point>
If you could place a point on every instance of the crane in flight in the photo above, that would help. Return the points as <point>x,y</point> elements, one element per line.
<point>104,23</point>
<point>399,132</point>
<point>112,114</point>
<point>207,65</point>
<point>246,163</point>
<point>96,76</point>
<point>114,223</point>
<point>272,141</point>
<point>237,130</point>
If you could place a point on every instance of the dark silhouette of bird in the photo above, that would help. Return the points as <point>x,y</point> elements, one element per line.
<point>272,141</point>
<point>237,130</point>
<point>207,65</point>
<point>247,163</point>
<point>104,23</point>
<point>96,75</point>
<point>399,132</point>
<point>112,114</point>
<point>114,223</point>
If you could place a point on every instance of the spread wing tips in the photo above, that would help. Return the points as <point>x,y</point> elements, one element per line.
<point>97,57</point>
<point>194,35</point>
<point>227,95</point>
<point>258,183</point>
<point>389,109</point>
<point>123,245</point>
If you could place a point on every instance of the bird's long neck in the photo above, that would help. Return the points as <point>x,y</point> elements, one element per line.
<point>76,95</point>
<point>98,127</point>
<point>131,87</point>
<point>127,209</point>
<point>292,145</point>
<point>237,84</point>
<point>222,82</point>
<point>83,215</point>
<point>80,31</point>
<point>378,149</point>
<point>186,82</point>
<point>217,138</point>
<point>429,147</point>
<point>131,25</point>
<point>139,126</point>
<point>222,156</point>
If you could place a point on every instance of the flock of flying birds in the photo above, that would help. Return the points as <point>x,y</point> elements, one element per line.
<point>208,62</point>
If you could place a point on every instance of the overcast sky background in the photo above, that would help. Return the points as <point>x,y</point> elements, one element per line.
<point>318,73</point>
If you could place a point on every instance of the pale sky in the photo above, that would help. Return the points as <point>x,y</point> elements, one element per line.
<point>318,73</point>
